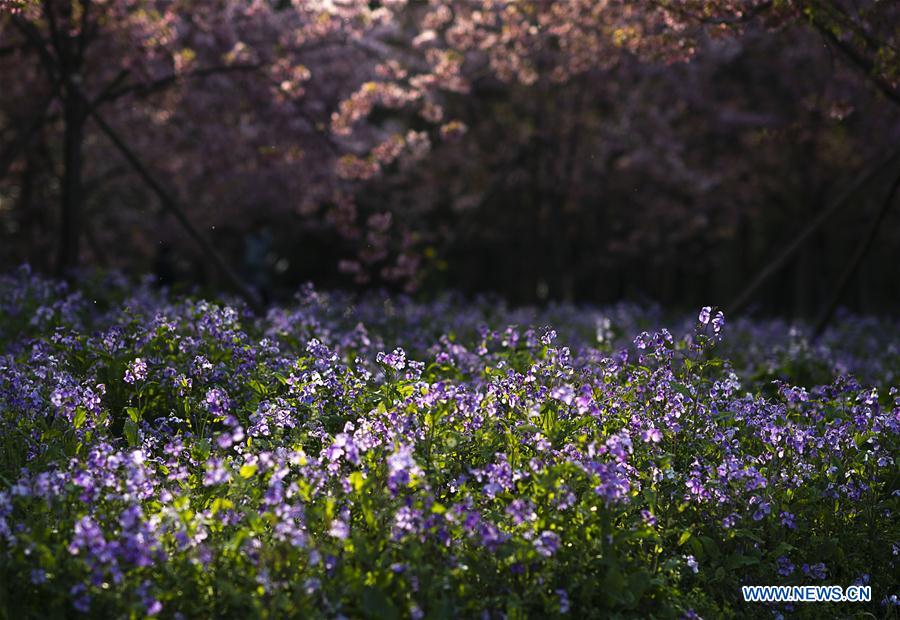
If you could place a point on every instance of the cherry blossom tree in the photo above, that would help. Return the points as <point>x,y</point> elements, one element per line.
<point>213,94</point>
<point>543,58</point>
<point>395,129</point>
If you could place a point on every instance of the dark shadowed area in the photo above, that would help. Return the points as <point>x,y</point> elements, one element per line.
<point>667,152</point>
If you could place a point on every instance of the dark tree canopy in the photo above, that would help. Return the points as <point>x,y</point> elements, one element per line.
<point>581,150</point>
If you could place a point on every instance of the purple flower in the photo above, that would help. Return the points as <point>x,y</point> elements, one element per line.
<point>130,517</point>
<point>619,446</point>
<point>651,435</point>
<point>201,367</point>
<point>136,371</point>
<point>81,601</point>
<point>152,606</point>
<point>401,466</point>
<point>563,601</point>
<point>339,529</point>
<point>816,571</point>
<point>520,511</point>
<point>585,400</point>
<point>547,543</point>
<point>215,473</point>
<point>614,484</point>
<point>183,384</point>
<point>718,322</point>
<point>704,315</point>
<point>642,340</point>
<point>563,393</point>
<point>311,585</point>
<point>87,537</point>
<point>694,486</point>
<point>491,536</point>
<point>787,520</point>
<point>763,508</point>
<point>785,566</point>
<point>216,401</point>
<point>691,561</point>
<point>395,360</point>
<point>548,337</point>
<point>566,500</point>
<point>343,445</point>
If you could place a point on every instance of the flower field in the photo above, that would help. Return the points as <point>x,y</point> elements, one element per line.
<point>372,457</point>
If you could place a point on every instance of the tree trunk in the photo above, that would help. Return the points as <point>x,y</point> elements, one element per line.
<point>72,190</point>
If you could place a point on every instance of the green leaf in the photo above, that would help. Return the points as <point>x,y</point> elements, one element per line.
<point>614,582</point>
<point>696,547</point>
<point>685,535</point>
<point>235,543</point>
<point>134,414</point>
<point>357,480</point>
<point>742,533</point>
<point>258,387</point>
<point>247,471</point>
<point>783,548</point>
<point>221,503</point>
<point>200,450</point>
<point>710,547</point>
<point>682,389</point>
<point>738,560</point>
<point>80,415</point>
<point>131,433</point>
<point>377,604</point>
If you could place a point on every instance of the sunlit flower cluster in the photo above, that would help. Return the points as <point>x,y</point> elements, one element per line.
<point>338,456</point>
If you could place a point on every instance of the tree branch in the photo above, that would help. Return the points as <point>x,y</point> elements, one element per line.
<point>797,243</point>
<point>168,202</point>
<point>55,40</point>
<point>862,62</point>
<point>83,34</point>
<point>23,137</point>
<point>164,82</point>
<point>35,40</point>
<point>861,251</point>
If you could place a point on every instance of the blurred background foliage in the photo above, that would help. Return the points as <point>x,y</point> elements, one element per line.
<point>661,154</point>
